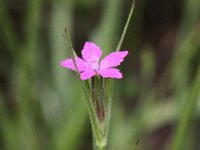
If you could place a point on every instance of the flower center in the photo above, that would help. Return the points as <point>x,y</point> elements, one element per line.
<point>95,66</point>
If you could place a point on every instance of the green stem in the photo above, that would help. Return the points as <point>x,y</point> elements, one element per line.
<point>93,117</point>
<point>125,28</point>
<point>108,86</point>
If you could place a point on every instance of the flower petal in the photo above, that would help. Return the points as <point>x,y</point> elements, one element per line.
<point>110,73</point>
<point>68,63</point>
<point>87,74</point>
<point>113,59</point>
<point>91,52</point>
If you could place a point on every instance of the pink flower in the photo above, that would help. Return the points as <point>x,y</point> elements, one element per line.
<point>90,66</point>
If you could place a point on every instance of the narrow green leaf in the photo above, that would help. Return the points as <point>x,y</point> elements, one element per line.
<point>125,28</point>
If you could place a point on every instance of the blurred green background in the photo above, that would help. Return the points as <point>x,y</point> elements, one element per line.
<point>42,106</point>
